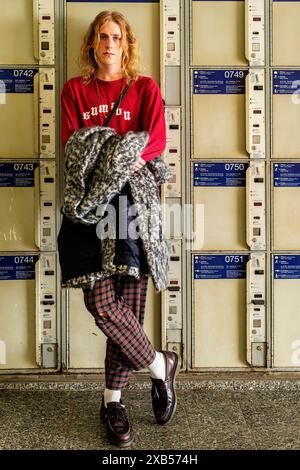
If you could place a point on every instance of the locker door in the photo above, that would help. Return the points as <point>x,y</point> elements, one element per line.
<point>285,114</point>
<point>27,30</point>
<point>286,305</point>
<point>219,119</point>
<point>286,206</point>
<point>219,204</point>
<point>143,17</point>
<point>286,40</point>
<point>27,210</point>
<point>27,103</point>
<point>88,343</point>
<point>219,310</point>
<point>218,32</point>
<point>28,312</point>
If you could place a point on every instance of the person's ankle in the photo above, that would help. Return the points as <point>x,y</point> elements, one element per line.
<point>111,395</point>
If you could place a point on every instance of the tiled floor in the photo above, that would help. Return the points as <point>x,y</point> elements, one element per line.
<point>205,419</point>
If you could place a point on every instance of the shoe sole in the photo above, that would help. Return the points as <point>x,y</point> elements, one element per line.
<point>174,389</point>
<point>120,444</point>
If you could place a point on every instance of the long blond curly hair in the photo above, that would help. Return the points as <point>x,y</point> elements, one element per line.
<point>130,62</point>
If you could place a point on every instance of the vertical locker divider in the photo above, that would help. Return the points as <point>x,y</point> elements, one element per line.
<point>35,17</point>
<point>37,312</point>
<point>36,110</point>
<point>37,206</point>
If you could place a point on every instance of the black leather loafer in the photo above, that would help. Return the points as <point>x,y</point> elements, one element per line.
<point>164,399</point>
<point>118,427</point>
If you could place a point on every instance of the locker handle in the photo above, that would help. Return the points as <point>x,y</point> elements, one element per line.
<point>248,311</point>
<point>37,207</point>
<point>36,109</point>
<point>38,356</point>
<point>35,21</point>
<point>248,205</point>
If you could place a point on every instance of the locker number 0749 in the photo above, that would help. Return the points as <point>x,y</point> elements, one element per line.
<point>234,73</point>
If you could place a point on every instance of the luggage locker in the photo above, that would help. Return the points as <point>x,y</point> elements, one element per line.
<point>27,209</point>
<point>28,331</point>
<point>86,342</point>
<point>285,28</point>
<point>227,32</point>
<point>229,206</point>
<point>27,112</point>
<point>219,315</point>
<point>286,206</point>
<point>285,114</point>
<point>286,305</point>
<point>27,30</point>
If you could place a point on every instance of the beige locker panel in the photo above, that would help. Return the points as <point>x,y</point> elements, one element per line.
<point>219,119</point>
<point>286,307</point>
<point>18,112</point>
<point>218,33</point>
<point>285,114</point>
<point>17,319</point>
<point>219,206</point>
<point>286,39</point>
<point>87,343</point>
<point>16,32</point>
<point>219,311</point>
<point>142,16</point>
<point>27,30</point>
<point>18,209</point>
<point>286,206</point>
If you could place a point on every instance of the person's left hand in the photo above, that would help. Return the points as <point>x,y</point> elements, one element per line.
<point>138,165</point>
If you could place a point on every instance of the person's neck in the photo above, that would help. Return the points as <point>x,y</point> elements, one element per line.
<point>109,75</point>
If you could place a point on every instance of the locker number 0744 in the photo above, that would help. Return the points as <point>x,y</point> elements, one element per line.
<point>23,259</point>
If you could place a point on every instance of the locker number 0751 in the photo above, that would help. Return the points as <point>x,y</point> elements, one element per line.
<point>234,259</point>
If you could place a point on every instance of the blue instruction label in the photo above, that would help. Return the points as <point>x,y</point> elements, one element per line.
<point>220,266</point>
<point>207,82</point>
<point>286,82</point>
<point>220,174</point>
<point>286,175</point>
<point>17,174</point>
<point>113,1</point>
<point>17,268</point>
<point>17,80</point>
<point>286,267</point>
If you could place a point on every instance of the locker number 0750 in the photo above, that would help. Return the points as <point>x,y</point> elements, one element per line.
<point>234,166</point>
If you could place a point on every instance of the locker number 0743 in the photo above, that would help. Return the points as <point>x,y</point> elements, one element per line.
<point>23,259</point>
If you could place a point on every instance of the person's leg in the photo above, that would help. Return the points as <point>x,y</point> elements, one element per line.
<point>117,321</point>
<point>132,293</point>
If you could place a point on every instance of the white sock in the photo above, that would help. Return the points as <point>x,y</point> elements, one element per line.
<point>158,367</point>
<point>111,395</point>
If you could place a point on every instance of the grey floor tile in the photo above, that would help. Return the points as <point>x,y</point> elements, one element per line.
<point>270,414</point>
<point>277,437</point>
<point>223,437</point>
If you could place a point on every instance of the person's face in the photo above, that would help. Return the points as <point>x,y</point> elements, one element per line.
<point>109,51</point>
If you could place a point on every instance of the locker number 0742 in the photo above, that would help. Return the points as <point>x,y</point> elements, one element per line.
<point>22,72</point>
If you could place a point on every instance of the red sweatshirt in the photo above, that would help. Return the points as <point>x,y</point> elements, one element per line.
<point>140,109</point>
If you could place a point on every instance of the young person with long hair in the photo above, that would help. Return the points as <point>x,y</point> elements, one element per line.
<point>109,61</point>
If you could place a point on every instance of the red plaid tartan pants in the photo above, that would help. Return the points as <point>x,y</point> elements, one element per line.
<point>118,306</point>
